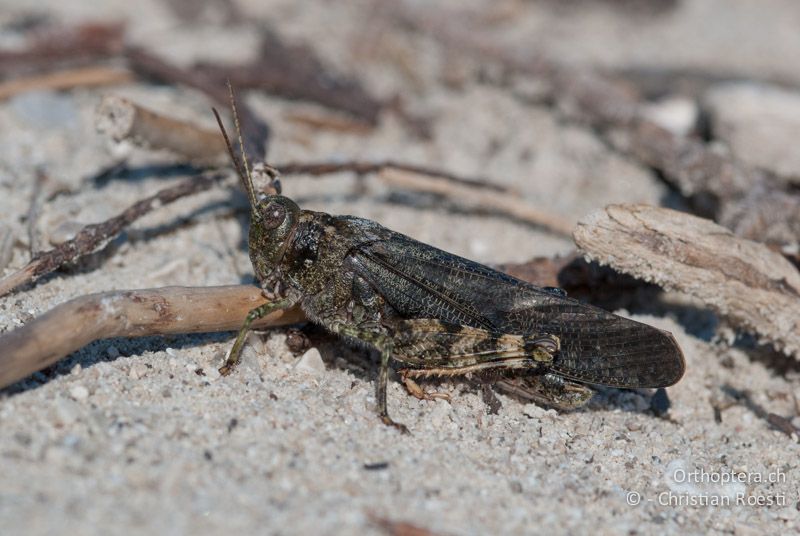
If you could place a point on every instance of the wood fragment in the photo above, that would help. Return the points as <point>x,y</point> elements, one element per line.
<point>122,119</point>
<point>66,79</point>
<point>93,236</point>
<point>757,289</point>
<point>129,313</point>
<point>254,131</point>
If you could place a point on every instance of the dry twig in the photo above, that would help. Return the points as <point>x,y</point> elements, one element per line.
<point>754,287</point>
<point>94,235</point>
<point>499,202</point>
<point>129,313</point>
<point>80,77</point>
<point>158,131</point>
<point>316,121</point>
<point>90,43</point>
<point>122,119</point>
<point>361,167</point>
<point>474,192</point>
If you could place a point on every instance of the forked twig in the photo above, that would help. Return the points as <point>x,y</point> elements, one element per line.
<point>63,47</point>
<point>92,236</point>
<point>122,119</point>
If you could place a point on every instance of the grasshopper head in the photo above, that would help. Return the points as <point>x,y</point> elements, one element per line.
<point>272,221</point>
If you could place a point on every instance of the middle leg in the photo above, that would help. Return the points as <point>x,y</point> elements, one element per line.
<point>385,346</point>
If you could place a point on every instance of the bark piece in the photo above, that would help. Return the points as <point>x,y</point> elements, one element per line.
<point>756,288</point>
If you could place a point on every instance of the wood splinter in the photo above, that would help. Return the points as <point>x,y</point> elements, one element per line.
<point>122,119</point>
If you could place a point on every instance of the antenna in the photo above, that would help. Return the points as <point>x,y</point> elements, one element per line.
<point>242,170</point>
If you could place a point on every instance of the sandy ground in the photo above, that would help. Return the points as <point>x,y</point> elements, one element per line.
<point>126,436</point>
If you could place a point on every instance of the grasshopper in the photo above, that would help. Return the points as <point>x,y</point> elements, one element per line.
<point>437,314</point>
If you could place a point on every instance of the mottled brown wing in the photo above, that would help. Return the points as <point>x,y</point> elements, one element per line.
<point>598,347</point>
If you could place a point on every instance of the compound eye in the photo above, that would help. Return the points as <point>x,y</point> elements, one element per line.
<point>274,215</point>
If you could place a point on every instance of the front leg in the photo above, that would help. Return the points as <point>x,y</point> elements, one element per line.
<point>252,316</point>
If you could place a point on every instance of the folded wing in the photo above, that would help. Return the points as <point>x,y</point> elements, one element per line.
<point>598,347</point>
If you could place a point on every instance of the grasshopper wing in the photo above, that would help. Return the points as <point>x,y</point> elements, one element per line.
<point>597,347</point>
